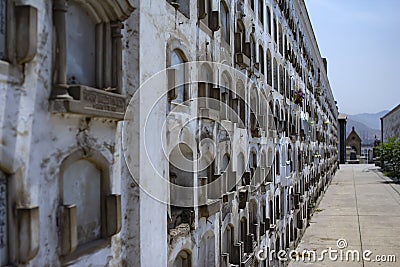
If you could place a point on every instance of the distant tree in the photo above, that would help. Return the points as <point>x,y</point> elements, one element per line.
<point>389,154</point>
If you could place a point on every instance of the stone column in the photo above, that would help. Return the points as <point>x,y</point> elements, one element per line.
<point>3,28</point>
<point>107,56</point>
<point>117,55</point>
<point>60,88</point>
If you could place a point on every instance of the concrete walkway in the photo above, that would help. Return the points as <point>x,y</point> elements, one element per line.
<point>362,207</point>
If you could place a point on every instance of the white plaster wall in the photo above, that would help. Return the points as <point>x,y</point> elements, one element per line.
<point>391,125</point>
<point>194,40</point>
<point>39,141</point>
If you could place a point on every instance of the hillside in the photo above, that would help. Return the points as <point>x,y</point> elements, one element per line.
<point>372,120</point>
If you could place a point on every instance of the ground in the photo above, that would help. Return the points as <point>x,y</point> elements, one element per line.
<point>361,207</point>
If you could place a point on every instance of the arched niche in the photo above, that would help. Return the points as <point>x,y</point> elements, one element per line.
<point>207,250</point>
<point>183,259</point>
<point>85,185</point>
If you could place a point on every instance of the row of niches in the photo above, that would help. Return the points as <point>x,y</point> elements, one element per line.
<point>224,159</point>
<point>222,19</point>
<point>233,167</point>
<point>278,77</point>
<point>222,104</point>
<point>258,163</point>
<point>277,221</point>
<point>217,17</point>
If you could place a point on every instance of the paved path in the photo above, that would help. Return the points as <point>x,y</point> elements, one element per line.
<point>362,207</point>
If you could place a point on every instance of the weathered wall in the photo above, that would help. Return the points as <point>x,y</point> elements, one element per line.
<point>174,30</point>
<point>391,124</point>
<point>36,142</point>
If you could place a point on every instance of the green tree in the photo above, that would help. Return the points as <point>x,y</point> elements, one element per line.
<point>390,157</point>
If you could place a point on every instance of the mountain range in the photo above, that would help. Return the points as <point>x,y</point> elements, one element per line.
<point>367,125</point>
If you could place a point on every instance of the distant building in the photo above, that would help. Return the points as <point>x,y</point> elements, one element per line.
<point>354,141</point>
<point>390,124</point>
<point>342,138</point>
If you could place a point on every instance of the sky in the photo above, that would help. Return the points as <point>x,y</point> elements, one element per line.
<point>361,41</point>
